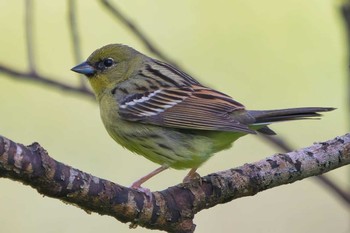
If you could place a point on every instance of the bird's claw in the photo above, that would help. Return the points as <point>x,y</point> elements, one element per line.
<point>192,177</point>
<point>145,191</point>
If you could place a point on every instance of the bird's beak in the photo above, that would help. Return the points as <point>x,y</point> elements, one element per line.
<point>84,68</point>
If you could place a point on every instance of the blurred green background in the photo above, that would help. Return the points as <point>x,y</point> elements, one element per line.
<point>266,54</point>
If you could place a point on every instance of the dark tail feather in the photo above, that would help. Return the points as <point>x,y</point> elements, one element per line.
<point>270,116</point>
<point>288,114</point>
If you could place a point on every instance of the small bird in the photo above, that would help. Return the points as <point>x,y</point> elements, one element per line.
<point>158,111</point>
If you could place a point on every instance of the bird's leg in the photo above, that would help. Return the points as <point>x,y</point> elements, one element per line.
<point>137,183</point>
<point>192,175</point>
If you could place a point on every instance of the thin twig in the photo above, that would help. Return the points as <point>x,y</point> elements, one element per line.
<point>327,182</point>
<point>49,81</point>
<point>72,21</point>
<point>29,35</point>
<point>334,188</point>
<point>345,10</point>
<point>136,30</point>
<point>32,75</point>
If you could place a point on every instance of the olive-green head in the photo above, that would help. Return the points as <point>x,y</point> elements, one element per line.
<point>110,65</point>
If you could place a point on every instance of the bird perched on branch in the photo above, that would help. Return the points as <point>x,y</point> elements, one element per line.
<point>160,112</point>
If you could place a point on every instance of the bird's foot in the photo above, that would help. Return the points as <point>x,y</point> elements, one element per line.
<point>192,176</point>
<point>136,186</point>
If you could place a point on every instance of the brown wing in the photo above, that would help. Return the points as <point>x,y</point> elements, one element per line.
<point>194,107</point>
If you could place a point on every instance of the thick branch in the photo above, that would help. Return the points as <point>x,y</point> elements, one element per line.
<point>327,182</point>
<point>172,209</point>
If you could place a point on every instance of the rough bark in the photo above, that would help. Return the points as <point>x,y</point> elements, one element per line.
<point>172,209</point>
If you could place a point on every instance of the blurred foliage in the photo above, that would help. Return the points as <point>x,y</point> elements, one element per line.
<point>266,54</point>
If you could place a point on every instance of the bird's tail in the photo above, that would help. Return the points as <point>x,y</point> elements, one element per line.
<point>269,116</point>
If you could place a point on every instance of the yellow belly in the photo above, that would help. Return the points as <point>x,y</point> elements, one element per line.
<point>177,148</point>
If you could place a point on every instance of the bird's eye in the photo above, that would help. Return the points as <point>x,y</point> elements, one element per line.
<point>104,64</point>
<point>108,62</point>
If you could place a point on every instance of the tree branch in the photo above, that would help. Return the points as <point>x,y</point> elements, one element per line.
<point>32,74</point>
<point>29,35</point>
<point>323,179</point>
<point>172,209</point>
<point>75,36</point>
<point>345,10</point>
<point>134,29</point>
<point>16,74</point>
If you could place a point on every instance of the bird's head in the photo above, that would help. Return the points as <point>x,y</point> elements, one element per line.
<point>110,65</point>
